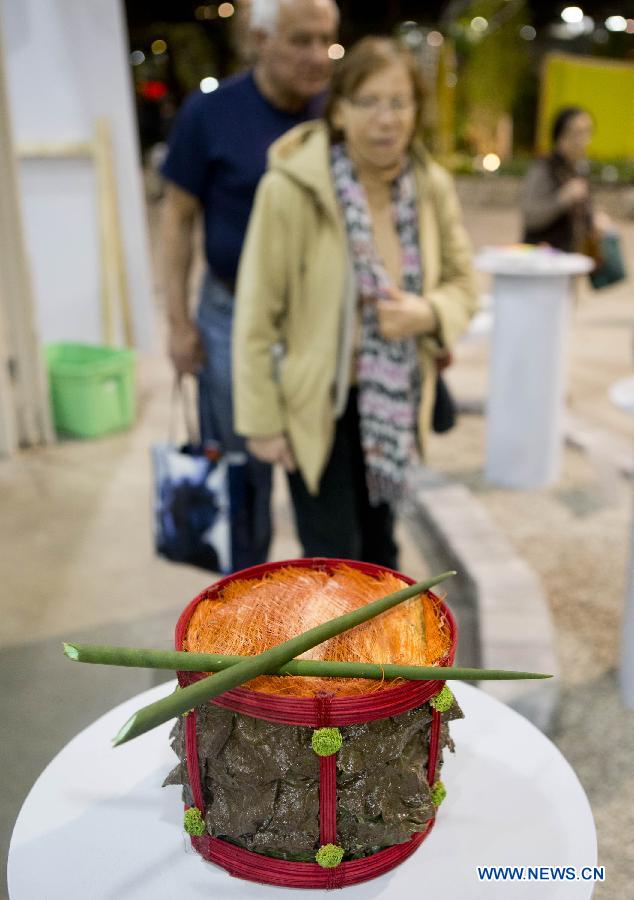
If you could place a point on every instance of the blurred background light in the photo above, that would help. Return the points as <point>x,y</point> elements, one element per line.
<point>435,39</point>
<point>574,24</point>
<point>158,46</point>
<point>152,90</point>
<point>336,51</point>
<point>616,23</point>
<point>491,162</point>
<point>414,37</point>
<point>479,24</point>
<point>572,15</point>
<point>137,57</point>
<point>225,10</point>
<point>528,33</point>
<point>208,84</point>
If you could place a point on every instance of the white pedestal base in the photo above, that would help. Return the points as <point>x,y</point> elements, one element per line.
<point>531,298</point>
<point>525,407</point>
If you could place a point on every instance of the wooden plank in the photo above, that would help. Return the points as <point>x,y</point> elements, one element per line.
<point>25,417</point>
<point>55,150</point>
<point>107,237</point>
<point>113,259</point>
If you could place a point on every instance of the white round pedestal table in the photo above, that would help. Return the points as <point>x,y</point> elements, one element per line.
<point>98,825</point>
<point>531,298</point>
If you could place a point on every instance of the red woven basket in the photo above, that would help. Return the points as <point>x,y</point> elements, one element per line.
<point>317,712</point>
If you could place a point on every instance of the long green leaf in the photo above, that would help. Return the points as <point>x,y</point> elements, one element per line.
<point>263,663</point>
<point>318,668</point>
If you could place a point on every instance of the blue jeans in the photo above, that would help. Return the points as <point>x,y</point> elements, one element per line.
<point>251,519</point>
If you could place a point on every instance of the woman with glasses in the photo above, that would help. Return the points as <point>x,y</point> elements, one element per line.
<point>355,278</point>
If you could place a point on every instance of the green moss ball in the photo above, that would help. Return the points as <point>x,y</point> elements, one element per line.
<point>443,700</point>
<point>326,741</point>
<point>438,793</point>
<point>329,856</point>
<point>193,821</point>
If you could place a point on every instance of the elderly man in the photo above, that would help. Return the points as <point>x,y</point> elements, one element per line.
<point>216,157</point>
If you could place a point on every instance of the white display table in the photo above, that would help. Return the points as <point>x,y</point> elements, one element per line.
<point>98,825</point>
<point>621,394</point>
<point>531,297</point>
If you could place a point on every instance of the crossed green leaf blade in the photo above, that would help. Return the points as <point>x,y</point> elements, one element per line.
<point>178,660</point>
<point>232,671</point>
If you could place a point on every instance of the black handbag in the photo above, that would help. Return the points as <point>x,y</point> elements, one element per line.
<point>444,414</point>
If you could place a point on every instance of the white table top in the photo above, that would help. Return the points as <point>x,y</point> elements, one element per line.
<point>537,261</point>
<point>621,394</point>
<point>98,825</point>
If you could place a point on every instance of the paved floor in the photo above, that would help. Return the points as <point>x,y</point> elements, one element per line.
<point>577,536</point>
<point>77,563</point>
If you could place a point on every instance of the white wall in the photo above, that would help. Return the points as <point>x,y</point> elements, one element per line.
<point>67,64</point>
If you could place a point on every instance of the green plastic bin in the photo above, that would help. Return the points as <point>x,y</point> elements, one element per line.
<point>92,388</point>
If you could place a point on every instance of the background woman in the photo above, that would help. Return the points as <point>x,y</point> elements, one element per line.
<point>556,193</point>
<point>355,277</point>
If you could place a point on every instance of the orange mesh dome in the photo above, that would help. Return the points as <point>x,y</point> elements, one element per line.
<point>252,615</point>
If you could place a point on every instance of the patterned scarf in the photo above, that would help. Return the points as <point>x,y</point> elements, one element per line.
<point>387,371</point>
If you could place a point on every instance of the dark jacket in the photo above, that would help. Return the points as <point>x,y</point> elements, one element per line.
<point>546,221</point>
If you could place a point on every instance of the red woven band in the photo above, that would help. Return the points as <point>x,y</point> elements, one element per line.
<point>266,870</point>
<point>327,776</point>
<point>328,799</point>
<point>343,710</point>
<point>434,743</point>
<point>322,709</point>
<point>193,766</point>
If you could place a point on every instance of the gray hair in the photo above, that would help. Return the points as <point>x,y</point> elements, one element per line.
<point>264,14</point>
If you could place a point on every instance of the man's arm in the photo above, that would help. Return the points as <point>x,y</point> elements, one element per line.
<point>180,211</point>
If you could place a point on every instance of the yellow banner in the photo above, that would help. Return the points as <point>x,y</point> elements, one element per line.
<point>604,87</point>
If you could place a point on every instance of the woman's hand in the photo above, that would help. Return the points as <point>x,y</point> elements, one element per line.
<point>186,348</point>
<point>405,315</point>
<point>273,450</point>
<point>573,191</point>
<point>603,224</point>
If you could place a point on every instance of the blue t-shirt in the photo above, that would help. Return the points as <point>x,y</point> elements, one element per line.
<point>217,151</point>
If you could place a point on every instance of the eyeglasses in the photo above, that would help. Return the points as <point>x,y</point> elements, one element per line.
<point>375,105</point>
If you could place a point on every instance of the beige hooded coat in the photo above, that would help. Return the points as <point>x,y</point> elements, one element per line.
<point>293,280</point>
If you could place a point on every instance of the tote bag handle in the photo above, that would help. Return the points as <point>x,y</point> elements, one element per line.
<point>180,400</point>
